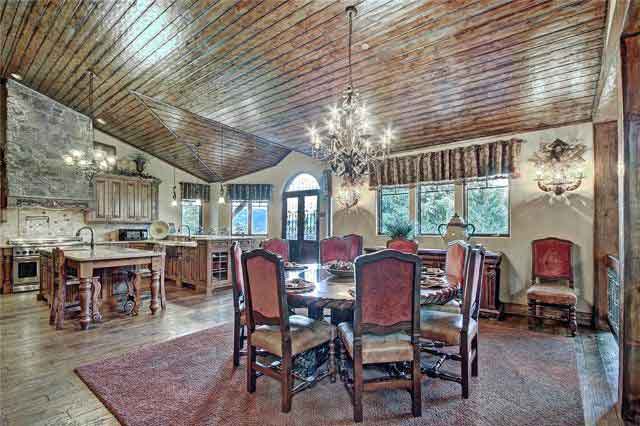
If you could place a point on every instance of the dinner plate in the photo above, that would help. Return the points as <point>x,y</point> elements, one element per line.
<point>299,286</point>
<point>296,268</point>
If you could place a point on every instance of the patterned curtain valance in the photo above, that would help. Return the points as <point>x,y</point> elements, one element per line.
<point>500,158</point>
<point>194,191</point>
<point>249,191</point>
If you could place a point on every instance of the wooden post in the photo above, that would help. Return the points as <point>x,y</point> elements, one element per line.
<point>629,387</point>
<point>605,223</point>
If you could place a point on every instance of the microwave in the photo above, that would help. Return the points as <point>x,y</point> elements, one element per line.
<point>133,234</point>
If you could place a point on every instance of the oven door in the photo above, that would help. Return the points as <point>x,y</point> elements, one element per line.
<point>26,273</point>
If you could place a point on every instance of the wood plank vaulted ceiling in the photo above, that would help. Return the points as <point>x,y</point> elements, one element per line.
<point>438,71</point>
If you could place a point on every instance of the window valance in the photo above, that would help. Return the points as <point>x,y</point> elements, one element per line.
<point>249,191</point>
<point>194,191</point>
<point>500,158</point>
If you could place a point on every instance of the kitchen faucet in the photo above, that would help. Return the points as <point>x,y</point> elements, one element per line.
<point>188,229</point>
<point>92,239</point>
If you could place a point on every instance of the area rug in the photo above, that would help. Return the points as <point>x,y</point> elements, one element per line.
<point>526,378</point>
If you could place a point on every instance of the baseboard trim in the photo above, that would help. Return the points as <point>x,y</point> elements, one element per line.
<point>584,318</point>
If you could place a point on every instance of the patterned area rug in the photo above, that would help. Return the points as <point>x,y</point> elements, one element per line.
<point>526,378</point>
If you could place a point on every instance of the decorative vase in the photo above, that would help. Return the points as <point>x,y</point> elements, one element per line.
<point>456,229</point>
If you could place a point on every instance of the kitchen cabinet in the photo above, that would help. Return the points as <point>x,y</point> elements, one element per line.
<point>123,199</point>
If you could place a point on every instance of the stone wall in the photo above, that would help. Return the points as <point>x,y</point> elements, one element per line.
<point>39,132</point>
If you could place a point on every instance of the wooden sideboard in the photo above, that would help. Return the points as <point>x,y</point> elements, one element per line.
<point>490,304</point>
<point>123,199</point>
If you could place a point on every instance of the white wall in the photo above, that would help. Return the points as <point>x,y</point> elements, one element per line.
<point>533,215</point>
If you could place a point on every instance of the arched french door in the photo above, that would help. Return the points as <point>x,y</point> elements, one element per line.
<point>301,218</point>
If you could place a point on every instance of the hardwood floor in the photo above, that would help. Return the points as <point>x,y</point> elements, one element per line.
<point>38,385</point>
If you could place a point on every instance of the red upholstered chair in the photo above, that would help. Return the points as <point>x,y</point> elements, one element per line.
<point>273,330</point>
<point>552,276</point>
<point>239,314</point>
<point>461,330</point>
<point>277,246</point>
<point>386,326</point>
<point>403,245</point>
<point>334,249</point>
<point>457,252</point>
<point>356,243</point>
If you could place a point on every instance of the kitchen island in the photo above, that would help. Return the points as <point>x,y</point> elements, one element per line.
<point>92,267</point>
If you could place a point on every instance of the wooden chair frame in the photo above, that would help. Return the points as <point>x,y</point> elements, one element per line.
<point>281,370</point>
<point>356,384</point>
<point>413,243</point>
<point>239,335</point>
<point>535,312</point>
<point>468,354</point>
<point>267,241</point>
<point>358,240</point>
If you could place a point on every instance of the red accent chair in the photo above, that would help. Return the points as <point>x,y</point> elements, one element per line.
<point>403,245</point>
<point>239,313</point>
<point>277,246</point>
<point>552,281</point>
<point>457,252</point>
<point>272,329</point>
<point>356,244</point>
<point>334,249</point>
<point>461,330</point>
<point>386,326</point>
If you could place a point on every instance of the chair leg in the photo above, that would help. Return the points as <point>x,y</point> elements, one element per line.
<point>251,372</point>
<point>466,367</point>
<point>573,323</point>
<point>358,389</point>
<point>236,339</point>
<point>332,356</point>
<point>532,313</point>
<point>286,384</point>
<point>416,390</point>
<point>474,361</point>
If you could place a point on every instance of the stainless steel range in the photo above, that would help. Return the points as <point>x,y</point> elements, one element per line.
<point>26,259</point>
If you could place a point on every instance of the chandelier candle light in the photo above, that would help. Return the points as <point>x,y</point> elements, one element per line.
<point>347,143</point>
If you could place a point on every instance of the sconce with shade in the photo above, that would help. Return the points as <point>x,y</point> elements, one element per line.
<point>221,198</point>
<point>559,166</point>
<point>348,195</point>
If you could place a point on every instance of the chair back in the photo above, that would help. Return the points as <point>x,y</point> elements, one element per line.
<point>387,293</point>
<point>552,259</point>
<point>277,246</point>
<point>356,243</point>
<point>457,252</point>
<point>333,249</point>
<point>403,245</point>
<point>473,277</point>
<point>237,276</point>
<point>265,295</point>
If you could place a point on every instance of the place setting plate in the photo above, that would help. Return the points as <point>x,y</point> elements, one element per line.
<point>298,285</point>
<point>292,266</point>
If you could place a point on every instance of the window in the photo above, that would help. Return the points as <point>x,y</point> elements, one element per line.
<point>487,206</point>
<point>393,205</point>
<point>191,215</point>
<point>435,206</point>
<point>249,217</point>
<point>303,182</point>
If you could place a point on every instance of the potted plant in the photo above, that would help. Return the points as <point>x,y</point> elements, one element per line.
<point>400,229</point>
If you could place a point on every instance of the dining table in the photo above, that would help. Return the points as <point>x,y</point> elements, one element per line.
<point>328,291</point>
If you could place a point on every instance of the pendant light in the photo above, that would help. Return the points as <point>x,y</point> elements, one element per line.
<point>221,199</point>
<point>174,200</point>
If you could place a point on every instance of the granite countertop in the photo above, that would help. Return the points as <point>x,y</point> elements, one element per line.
<point>220,237</point>
<point>104,253</point>
<point>168,243</point>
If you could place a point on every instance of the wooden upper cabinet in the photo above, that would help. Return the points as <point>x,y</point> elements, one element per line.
<point>124,199</point>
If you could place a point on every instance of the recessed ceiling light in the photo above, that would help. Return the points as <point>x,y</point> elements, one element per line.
<point>16,76</point>
<point>365,46</point>
<point>101,121</point>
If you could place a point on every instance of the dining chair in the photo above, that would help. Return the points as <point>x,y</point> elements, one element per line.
<point>356,244</point>
<point>461,330</point>
<point>239,312</point>
<point>403,245</point>
<point>277,246</point>
<point>552,282</point>
<point>457,252</point>
<point>334,249</point>
<point>386,325</point>
<point>272,329</point>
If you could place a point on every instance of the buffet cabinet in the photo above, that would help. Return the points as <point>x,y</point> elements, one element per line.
<point>490,304</point>
<point>123,199</point>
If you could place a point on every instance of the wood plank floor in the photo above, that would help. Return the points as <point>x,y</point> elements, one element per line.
<point>38,385</point>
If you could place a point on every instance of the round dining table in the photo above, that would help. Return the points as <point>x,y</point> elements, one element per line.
<point>337,294</point>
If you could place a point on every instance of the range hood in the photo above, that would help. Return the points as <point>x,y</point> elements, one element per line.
<point>39,131</point>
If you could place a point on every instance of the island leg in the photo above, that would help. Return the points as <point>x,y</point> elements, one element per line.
<point>156,270</point>
<point>85,302</point>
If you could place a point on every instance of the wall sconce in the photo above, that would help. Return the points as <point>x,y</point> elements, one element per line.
<point>348,195</point>
<point>559,166</point>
